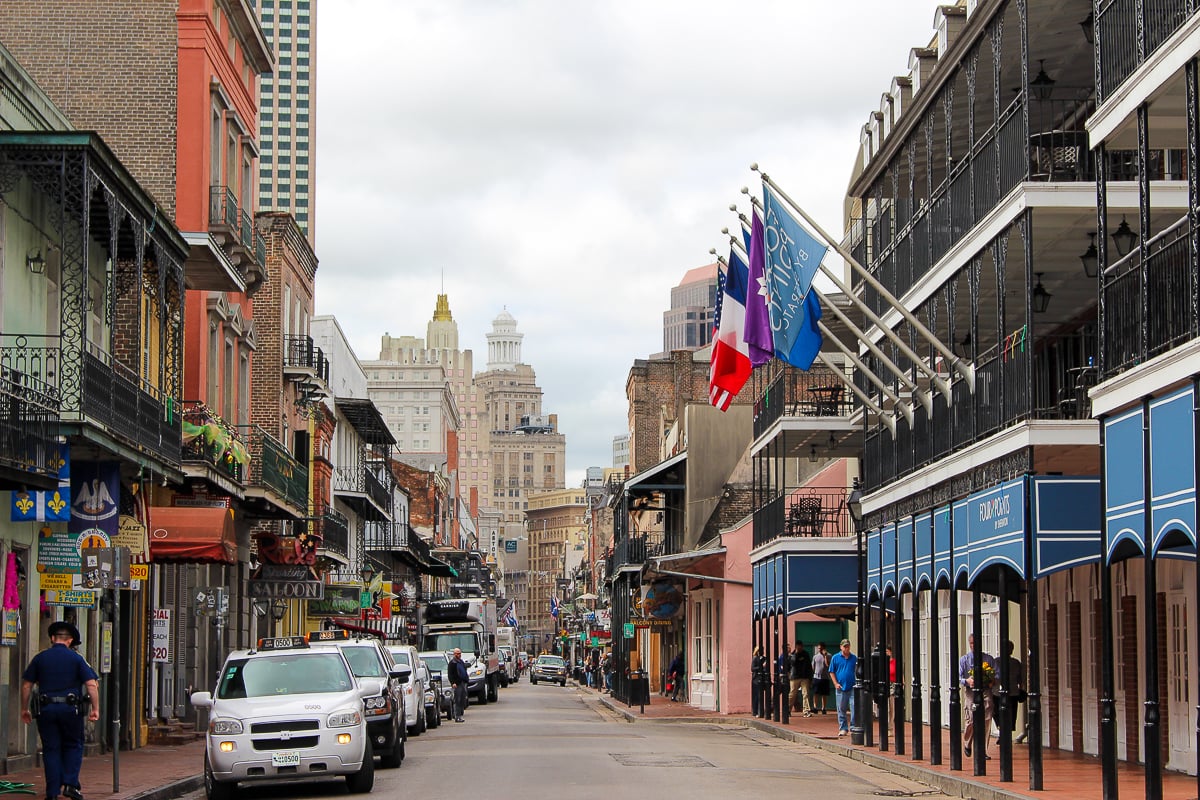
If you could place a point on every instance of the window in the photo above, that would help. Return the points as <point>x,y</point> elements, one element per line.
<point>215,145</point>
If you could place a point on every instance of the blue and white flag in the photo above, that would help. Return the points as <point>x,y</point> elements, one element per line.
<point>554,606</point>
<point>510,616</point>
<point>793,257</point>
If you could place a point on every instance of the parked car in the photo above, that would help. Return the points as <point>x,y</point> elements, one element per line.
<point>508,670</point>
<point>549,668</point>
<point>286,710</point>
<point>414,692</point>
<point>437,662</point>
<point>522,663</point>
<point>372,664</point>
<point>433,693</point>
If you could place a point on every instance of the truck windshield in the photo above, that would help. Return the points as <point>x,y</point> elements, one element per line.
<point>284,674</point>
<point>445,642</point>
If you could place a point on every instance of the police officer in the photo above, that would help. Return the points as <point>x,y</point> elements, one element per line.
<point>62,676</point>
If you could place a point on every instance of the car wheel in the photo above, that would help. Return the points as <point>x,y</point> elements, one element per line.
<point>215,789</point>
<point>562,682</point>
<point>493,691</point>
<point>421,722</point>
<point>482,698</point>
<point>363,780</point>
<point>395,757</point>
<point>434,720</point>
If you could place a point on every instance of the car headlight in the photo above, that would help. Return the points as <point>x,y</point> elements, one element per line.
<point>345,719</point>
<point>373,703</point>
<point>475,670</point>
<point>224,727</point>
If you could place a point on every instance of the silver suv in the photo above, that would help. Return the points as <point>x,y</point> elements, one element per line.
<point>285,711</point>
<point>372,665</point>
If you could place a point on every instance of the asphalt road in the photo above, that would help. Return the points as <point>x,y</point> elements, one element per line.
<point>547,742</point>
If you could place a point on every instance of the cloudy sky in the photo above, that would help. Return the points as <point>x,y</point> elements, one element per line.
<point>570,160</point>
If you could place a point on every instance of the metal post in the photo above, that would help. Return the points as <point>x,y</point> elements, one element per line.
<point>898,686</point>
<point>857,727</point>
<point>881,680</point>
<point>116,704</point>
<point>1152,743</point>
<point>980,734</point>
<point>955,685</point>
<point>917,722</point>
<point>1004,710</point>
<point>935,668</point>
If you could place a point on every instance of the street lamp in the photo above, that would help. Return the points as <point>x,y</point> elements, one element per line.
<point>364,601</point>
<point>854,505</point>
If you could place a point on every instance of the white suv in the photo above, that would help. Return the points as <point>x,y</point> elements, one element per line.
<point>405,655</point>
<point>285,711</point>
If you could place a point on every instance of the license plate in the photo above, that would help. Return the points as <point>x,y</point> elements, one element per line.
<point>286,758</point>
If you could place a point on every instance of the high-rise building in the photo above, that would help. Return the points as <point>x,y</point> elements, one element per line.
<point>288,105</point>
<point>688,323</point>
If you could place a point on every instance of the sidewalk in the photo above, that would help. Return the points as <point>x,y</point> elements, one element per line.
<point>155,772</point>
<point>1065,776</point>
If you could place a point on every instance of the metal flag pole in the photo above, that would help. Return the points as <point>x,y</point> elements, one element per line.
<point>920,394</point>
<point>909,353</point>
<point>966,369</point>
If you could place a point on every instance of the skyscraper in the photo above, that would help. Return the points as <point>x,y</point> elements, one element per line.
<point>688,323</point>
<point>287,110</point>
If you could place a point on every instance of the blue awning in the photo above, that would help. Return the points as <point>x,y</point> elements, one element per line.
<point>1066,517</point>
<point>923,531</point>
<point>822,582</point>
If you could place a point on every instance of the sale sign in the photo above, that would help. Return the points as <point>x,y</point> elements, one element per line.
<point>160,635</point>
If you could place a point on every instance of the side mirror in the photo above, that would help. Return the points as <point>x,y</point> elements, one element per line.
<point>492,642</point>
<point>202,699</point>
<point>436,675</point>
<point>370,687</point>
<point>400,672</point>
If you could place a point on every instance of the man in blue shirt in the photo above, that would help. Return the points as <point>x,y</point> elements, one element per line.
<point>459,680</point>
<point>841,670</point>
<point>966,677</point>
<point>62,677</point>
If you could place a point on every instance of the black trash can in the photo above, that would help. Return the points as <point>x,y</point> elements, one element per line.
<point>639,689</point>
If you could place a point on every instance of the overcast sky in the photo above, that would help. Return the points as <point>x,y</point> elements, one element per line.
<point>570,161</point>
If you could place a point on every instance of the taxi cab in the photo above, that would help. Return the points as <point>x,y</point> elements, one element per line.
<point>286,710</point>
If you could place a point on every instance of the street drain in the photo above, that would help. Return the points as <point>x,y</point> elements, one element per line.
<point>658,760</point>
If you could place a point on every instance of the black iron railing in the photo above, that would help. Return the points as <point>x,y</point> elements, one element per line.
<point>384,535</point>
<point>132,409</point>
<point>1165,286</point>
<point>333,528</point>
<point>28,423</point>
<point>273,468</point>
<point>222,208</point>
<point>1125,42</point>
<point>300,352</point>
<point>361,479</point>
<point>811,512</point>
<point>795,393</point>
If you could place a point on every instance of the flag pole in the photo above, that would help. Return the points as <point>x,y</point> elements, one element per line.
<point>905,408</point>
<point>966,369</point>
<point>920,394</point>
<point>917,360</point>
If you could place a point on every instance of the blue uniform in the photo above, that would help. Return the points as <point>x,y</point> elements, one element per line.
<point>58,672</point>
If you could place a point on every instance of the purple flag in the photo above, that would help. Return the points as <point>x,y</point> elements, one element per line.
<point>758,317</point>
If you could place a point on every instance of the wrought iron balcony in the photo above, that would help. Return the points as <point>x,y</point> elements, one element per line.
<point>1130,32</point>
<point>804,512</point>
<point>304,361</point>
<point>209,440</point>
<point>795,393</point>
<point>385,535</point>
<point>129,407</point>
<point>232,225</point>
<point>28,426</point>
<point>358,485</point>
<point>274,470</point>
<point>333,528</point>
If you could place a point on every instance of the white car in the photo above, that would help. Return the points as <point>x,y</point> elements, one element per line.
<point>285,711</point>
<point>405,655</point>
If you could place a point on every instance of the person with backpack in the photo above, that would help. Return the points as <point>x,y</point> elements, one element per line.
<point>801,680</point>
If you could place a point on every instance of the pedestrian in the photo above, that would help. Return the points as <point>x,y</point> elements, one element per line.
<point>1014,681</point>
<point>841,671</point>
<point>67,691</point>
<point>978,684</point>
<point>606,670</point>
<point>802,678</point>
<point>675,676</point>
<point>820,681</point>
<point>758,681</point>
<point>459,680</point>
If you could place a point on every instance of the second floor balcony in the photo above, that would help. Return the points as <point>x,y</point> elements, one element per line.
<point>212,449</point>
<point>278,483</point>
<point>231,225</point>
<point>334,529</point>
<point>360,487</point>
<point>28,430</point>
<point>305,363</point>
<point>804,512</point>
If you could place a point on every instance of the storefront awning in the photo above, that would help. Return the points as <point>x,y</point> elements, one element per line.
<point>439,569</point>
<point>664,476</point>
<point>358,628</point>
<point>192,536</point>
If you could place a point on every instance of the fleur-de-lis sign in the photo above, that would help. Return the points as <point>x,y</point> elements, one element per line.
<point>24,504</point>
<point>56,503</point>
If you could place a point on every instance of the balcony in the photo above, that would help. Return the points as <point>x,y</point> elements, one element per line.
<point>362,490</point>
<point>333,528</point>
<point>384,535</point>
<point>28,430</point>
<point>130,408</point>
<point>635,550</point>
<point>306,364</point>
<point>231,226</point>
<point>278,484</point>
<point>212,449</point>
<point>1127,39</point>
<point>804,513</point>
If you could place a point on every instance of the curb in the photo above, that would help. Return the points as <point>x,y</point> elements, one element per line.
<point>947,784</point>
<point>172,790</point>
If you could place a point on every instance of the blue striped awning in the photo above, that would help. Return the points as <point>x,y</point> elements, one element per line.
<point>821,581</point>
<point>1124,501</point>
<point>1066,516</point>
<point>874,562</point>
<point>887,544</point>
<point>943,568</point>
<point>904,554</point>
<point>1173,475</point>
<point>923,535</point>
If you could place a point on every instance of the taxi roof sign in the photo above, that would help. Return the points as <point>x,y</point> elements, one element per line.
<point>283,643</point>
<point>339,635</point>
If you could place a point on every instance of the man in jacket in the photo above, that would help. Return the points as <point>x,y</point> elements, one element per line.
<point>459,680</point>
<point>801,678</point>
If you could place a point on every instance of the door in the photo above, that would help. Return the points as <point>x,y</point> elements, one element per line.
<point>949,671</point>
<point>1092,661</point>
<point>1181,734</point>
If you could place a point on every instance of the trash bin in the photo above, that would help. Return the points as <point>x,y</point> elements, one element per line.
<point>639,688</point>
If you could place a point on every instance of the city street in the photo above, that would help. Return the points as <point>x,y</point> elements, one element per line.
<point>545,741</point>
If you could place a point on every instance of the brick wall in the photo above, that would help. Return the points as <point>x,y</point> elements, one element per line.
<point>127,331</point>
<point>111,66</point>
<point>1131,656</point>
